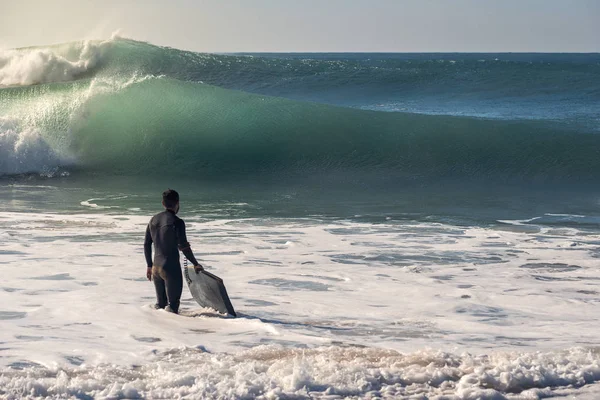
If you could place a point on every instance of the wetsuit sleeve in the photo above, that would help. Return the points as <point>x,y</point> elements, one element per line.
<point>183,244</point>
<point>148,247</point>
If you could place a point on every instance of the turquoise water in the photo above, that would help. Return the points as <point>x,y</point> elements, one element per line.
<point>332,134</point>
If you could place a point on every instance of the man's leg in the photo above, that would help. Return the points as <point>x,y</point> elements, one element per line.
<point>159,285</point>
<point>174,288</point>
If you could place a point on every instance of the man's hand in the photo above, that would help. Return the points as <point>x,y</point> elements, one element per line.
<point>149,273</point>
<point>198,268</point>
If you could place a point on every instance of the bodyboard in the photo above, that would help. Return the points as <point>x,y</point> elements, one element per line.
<point>208,290</point>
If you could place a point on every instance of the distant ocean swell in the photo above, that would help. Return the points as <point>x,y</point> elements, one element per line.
<point>130,108</point>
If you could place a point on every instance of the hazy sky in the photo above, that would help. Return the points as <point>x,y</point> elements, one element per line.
<point>312,25</point>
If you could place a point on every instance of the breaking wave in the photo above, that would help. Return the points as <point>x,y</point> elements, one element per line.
<point>130,108</point>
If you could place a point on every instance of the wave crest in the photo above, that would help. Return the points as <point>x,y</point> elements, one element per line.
<point>30,66</point>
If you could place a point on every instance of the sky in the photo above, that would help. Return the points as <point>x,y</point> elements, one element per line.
<point>312,25</point>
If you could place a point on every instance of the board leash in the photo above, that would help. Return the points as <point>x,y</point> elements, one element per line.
<point>185,271</point>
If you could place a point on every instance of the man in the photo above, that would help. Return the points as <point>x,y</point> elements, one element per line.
<point>167,232</point>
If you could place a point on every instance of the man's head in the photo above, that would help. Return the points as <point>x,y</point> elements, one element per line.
<point>171,200</point>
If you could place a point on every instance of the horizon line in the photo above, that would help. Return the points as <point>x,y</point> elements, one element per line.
<point>117,37</point>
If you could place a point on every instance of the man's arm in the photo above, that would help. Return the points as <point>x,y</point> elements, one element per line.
<point>184,246</point>
<point>148,252</point>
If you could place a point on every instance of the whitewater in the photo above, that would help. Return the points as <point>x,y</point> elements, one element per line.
<point>419,226</point>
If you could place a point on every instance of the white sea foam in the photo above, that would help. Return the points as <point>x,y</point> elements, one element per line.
<point>271,372</point>
<point>89,203</point>
<point>24,149</point>
<point>42,65</point>
<point>391,310</point>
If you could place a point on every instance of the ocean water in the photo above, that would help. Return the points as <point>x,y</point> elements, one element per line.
<point>420,226</point>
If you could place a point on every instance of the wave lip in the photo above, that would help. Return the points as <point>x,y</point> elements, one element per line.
<point>31,66</point>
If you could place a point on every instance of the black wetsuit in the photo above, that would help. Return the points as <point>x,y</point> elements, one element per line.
<point>167,232</point>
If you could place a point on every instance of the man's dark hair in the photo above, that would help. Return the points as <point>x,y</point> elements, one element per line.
<point>170,198</point>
